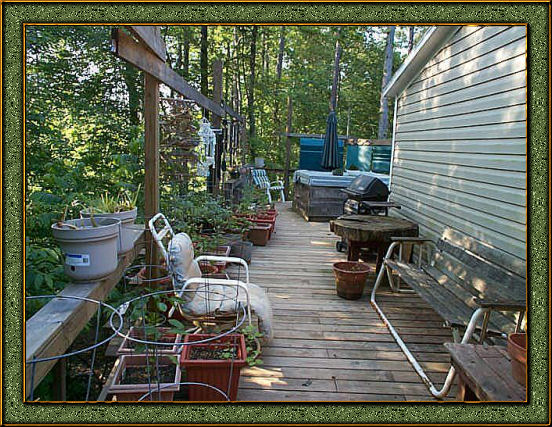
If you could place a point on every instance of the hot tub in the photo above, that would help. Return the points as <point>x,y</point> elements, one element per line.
<point>318,196</point>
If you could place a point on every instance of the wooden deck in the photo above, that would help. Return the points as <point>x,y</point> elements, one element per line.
<point>326,348</point>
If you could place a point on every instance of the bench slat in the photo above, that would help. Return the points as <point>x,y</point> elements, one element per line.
<point>442,300</point>
<point>498,322</point>
<point>497,282</point>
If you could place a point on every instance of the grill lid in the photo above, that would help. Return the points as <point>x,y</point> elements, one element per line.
<point>366,187</point>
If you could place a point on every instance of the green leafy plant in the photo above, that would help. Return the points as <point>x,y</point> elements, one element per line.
<point>252,344</point>
<point>123,201</point>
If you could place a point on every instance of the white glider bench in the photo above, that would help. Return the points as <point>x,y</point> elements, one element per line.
<point>460,286</point>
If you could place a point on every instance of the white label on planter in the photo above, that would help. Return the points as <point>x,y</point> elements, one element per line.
<point>77,259</point>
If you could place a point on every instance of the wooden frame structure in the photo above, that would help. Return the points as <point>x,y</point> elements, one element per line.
<point>53,328</point>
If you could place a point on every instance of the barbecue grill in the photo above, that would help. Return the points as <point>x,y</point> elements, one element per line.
<point>365,188</point>
<point>366,195</point>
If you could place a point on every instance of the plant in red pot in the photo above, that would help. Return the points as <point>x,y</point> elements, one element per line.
<point>217,363</point>
<point>350,278</point>
<point>139,374</point>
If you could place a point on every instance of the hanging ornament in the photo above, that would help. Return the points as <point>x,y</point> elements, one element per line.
<point>207,148</point>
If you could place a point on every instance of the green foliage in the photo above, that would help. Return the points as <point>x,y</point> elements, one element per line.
<point>84,134</point>
<point>252,336</point>
<point>82,139</point>
<point>124,201</point>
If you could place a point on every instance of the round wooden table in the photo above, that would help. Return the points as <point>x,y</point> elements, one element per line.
<point>371,231</point>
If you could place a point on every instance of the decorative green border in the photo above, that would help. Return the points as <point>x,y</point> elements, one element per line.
<point>535,14</point>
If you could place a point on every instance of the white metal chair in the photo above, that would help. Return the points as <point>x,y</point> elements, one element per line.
<point>166,233</point>
<point>261,180</point>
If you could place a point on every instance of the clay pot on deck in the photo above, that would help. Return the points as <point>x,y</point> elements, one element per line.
<point>517,349</point>
<point>224,374</point>
<point>207,268</point>
<point>142,382</point>
<point>259,234</point>
<point>350,278</point>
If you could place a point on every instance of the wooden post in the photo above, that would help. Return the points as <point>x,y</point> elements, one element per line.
<point>217,122</point>
<point>60,380</point>
<point>288,146</point>
<point>151,186</point>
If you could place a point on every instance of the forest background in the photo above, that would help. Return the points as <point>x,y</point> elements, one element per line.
<point>83,107</point>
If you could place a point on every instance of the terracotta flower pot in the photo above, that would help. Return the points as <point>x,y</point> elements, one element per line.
<point>350,278</point>
<point>223,374</point>
<point>220,251</point>
<point>517,349</point>
<point>259,234</point>
<point>134,391</point>
<point>207,268</point>
<point>265,221</point>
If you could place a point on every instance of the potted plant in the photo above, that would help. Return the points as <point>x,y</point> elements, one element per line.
<point>122,207</point>
<point>252,344</point>
<point>139,374</point>
<point>217,363</point>
<point>259,234</point>
<point>89,245</point>
<point>350,278</point>
<point>517,349</point>
<point>207,268</point>
<point>151,334</point>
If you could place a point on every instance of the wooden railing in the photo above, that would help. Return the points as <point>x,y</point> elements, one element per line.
<point>52,330</point>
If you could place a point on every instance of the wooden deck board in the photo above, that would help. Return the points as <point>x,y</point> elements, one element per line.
<point>326,348</point>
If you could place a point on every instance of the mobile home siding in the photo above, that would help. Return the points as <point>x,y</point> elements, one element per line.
<point>459,165</point>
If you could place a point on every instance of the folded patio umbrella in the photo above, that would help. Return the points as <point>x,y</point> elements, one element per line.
<point>330,156</point>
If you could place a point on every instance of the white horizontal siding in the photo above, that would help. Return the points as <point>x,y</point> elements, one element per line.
<point>514,198</point>
<point>516,96</point>
<point>485,161</point>
<point>459,165</point>
<point>441,219</point>
<point>467,94</point>
<point>504,130</point>
<point>483,211</point>
<point>443,85</point>
<point>484,146</point>
<point>476,57</point>
<point>507,179</point>
<point>511,113</point>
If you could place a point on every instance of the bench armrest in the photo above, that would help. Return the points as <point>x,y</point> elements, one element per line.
<point>400,241</point>
<point>410,239</point>
<point>278,182</point>
<point>500,305</point>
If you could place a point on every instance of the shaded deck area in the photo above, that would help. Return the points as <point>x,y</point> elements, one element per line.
<point>326,348</point>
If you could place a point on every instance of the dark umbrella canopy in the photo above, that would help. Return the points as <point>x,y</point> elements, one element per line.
<point>330,156</point>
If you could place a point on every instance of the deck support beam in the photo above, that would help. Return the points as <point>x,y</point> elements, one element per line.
<point>151,186</point>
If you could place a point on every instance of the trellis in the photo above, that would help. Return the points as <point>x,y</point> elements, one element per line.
<point>179,140</point>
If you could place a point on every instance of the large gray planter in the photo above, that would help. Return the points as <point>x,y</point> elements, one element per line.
<point>127,219</point>
<point>90,252</point>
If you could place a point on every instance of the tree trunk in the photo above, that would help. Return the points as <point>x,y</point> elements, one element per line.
<point>281,48</point>
<point>288,147</point>
<point>335,84</point>
<point>203,62</point>
<point>387,70</point>
<point>410,38</point>
<point>251,89</point>
<point>186,56</point>
<point>276,117</point>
